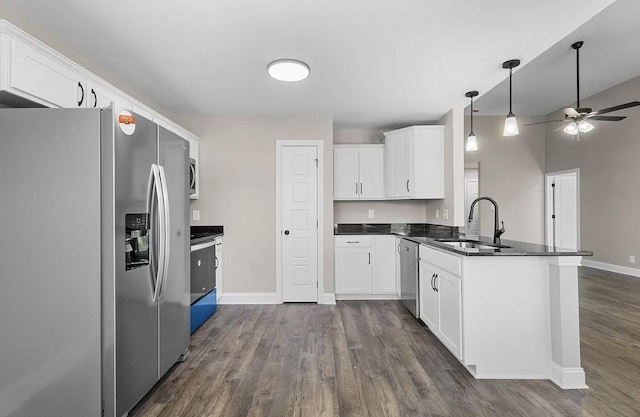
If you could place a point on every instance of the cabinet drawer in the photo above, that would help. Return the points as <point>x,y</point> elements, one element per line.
<point>444,261</point>
<point>353,241</point>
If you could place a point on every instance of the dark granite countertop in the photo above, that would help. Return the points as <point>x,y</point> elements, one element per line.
<point>429,235</point>
<point>200,234</point>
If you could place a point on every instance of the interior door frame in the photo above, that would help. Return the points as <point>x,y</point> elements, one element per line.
<point>318,144</point>
<point>548,203</point>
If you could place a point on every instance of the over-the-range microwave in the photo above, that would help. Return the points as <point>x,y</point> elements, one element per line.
<point>192,176</point>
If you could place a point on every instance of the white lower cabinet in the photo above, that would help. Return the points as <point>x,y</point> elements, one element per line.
<point>441,297</point>
<point>365,267</point>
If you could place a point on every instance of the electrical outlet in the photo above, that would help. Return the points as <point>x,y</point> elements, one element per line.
<point>371,214</point>
<point>445,214</point>
<point>437,213</point>
<point>196,215</point>
<point>632,259</point>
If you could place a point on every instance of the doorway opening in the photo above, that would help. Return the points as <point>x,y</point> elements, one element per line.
<point>562,209</point>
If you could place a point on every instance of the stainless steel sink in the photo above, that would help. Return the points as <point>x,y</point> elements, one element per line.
<point>470,244</point>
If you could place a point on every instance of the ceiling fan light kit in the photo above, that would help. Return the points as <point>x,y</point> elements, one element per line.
<point>472,141</point>
<point>510,123</point>
<point>578,117</point>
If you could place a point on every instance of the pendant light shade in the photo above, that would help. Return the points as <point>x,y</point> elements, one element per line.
<point>584,126</point>
<point>510,123</point>
<point>472,141</point>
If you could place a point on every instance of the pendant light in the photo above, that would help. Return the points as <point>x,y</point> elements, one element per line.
<point>472,141</point>
<point>510,123</point>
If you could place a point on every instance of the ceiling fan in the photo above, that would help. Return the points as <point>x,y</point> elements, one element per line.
<point>578,118</point>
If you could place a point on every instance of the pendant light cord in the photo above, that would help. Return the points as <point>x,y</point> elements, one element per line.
<point>510,91</point>
<point>472,116</point>
<point>578,77</point>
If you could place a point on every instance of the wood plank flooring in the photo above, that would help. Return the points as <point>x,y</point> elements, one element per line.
<point>372,359</point>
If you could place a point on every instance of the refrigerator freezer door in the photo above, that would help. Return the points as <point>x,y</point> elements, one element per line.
<point>50,262</point>
<point>136,330</point>
<point>174,299</point>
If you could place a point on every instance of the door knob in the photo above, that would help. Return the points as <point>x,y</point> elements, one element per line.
<point>286,232</point>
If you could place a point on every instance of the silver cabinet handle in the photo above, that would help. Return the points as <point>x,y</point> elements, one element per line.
<point>369,258</point>
<point>353,241</point>
<point>435,282</point>
<point>360,188</point>
<point>407,185</point>
<point>356,187</point>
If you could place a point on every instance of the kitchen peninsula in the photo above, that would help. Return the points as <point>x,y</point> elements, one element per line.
<point>506,311</point>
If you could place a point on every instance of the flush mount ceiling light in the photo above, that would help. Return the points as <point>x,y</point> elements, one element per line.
<point>472,141</point>
<point>288,70</point>
<point>510,123</point>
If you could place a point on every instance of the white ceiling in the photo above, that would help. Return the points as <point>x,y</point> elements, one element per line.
<point>374,63</point>
<point>608,57</point>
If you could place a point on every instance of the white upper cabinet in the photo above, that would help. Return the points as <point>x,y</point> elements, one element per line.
<point>358,172</point>
<point>415,162</point>
<point>38,77</point>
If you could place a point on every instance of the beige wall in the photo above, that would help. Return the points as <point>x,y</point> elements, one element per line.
<point>511,172</point>
<point>238,190</point>
<point>609,173</point>
<point>453,173</point>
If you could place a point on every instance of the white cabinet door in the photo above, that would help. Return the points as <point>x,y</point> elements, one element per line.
<point>353,271</point>
<point>101,96</point>
<point>371,170</point>
<point>384,275</point>
<point>429,302</point>
<point>45,80</point>
<point>449,289</point>
<point>345,173</point>
<point>415,162</point>
<point>396,146</point>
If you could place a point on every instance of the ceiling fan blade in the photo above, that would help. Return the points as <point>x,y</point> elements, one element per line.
<point>539,123</point>
<point>619,107</point>
<point>569,112</point>
<point>608,118</point>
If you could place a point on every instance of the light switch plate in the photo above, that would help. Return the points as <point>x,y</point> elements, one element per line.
<point>632,259</point>
<point>196,215</point>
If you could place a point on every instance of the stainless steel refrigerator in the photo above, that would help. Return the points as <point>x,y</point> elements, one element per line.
<point>94,260</point>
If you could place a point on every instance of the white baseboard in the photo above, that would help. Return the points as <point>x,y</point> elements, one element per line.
<point>568,378</point>
<point>634,272</point>
<point>354,297</point>
<point>264,298</point>
<point>328,298</point>
<point>249,298</point>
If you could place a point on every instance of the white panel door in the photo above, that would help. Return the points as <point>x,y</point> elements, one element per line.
<point>345,173</point>
<point>371,167</point>
<point>566,211</point>
<point>299,223</point>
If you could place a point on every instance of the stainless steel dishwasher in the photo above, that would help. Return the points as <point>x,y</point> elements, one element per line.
<point>409,291</point>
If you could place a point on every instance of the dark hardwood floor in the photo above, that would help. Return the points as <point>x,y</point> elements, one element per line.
<point>371,358</point>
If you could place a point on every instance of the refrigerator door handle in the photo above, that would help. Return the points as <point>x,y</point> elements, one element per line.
<point>156,205</point>
<point>152,192</point>
<point>166,238</point>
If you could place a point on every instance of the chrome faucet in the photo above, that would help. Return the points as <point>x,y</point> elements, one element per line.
<point>496,220</point>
